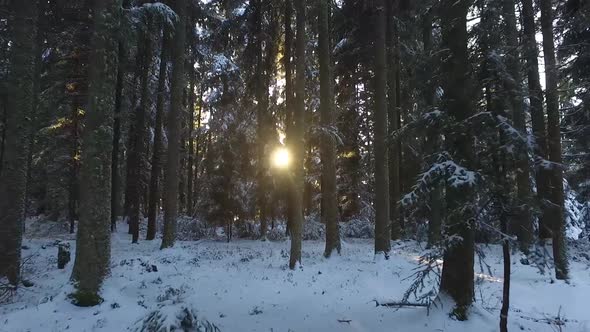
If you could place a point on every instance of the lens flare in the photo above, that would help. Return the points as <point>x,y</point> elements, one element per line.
<point>281,158</point>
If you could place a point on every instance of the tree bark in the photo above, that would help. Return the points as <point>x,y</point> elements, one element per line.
<point>542,176</point>
<point>174,118</point>
<point>289,109</point>
<point>554,143</point>
<point>190,203</point>
<point>154,195</point>
<point>393,119</point>
<point>115,178</point>
<point>381,201</point>
<point>522,225</point>
<point>93,242</point>
<point>328,142</point>
<point>19,107</point>
<point>262,108</point>
<point>137,153</point>
<point>433,138</point>
<point>457,273</point>
<point>297,139</point>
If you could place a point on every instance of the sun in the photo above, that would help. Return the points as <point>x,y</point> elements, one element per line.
<point>281,158</point>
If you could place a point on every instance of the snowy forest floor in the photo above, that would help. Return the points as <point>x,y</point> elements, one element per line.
<point>245,285</point>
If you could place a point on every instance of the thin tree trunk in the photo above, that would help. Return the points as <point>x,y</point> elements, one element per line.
<point>174,118</point>
<point>18,110</point>
<point>381,201</point>
<point>154,195</point>
<point>542,176</point>
<point>433,138</point>
<point>328,142</point>
<point>262,106</point>
<point>297,138</point>
<point>393,118</point>
<point>73,196</point>
<point>523,224</point>
<point>288,95</point>
<point>93,241</point>
<point>115,179</point>
<point>191,129</point>
<point>136,154</point>
<point>506,285</point>
<point>554,143</point>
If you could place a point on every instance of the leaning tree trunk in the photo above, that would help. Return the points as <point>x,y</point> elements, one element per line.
<point>328,143</point>
<point>154,191</point>
<point>296,141</point>
<point>136,154</point>
<point>19,107</point>
<point>381,202</point>
<point>93,242</point>
<point>554,144</point>
<point>174,118</point>
<point>457,273</point>
<point>542,176</point>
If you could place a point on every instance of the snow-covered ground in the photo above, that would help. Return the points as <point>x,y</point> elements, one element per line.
<point>245,285</point>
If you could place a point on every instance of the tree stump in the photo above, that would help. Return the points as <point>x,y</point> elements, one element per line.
<point>63,254</point>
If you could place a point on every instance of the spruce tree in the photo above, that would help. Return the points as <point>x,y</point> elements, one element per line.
<point>93,241</point>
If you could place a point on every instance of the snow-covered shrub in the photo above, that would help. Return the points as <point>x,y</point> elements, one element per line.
<point>277,234</point>
<point>313,229</point>
<point>247,229</point>
<point>172,318</point>
<point>188,229</point>
<point>358,228</point>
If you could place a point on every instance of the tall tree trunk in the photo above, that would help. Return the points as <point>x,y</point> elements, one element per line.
<point>433,137</point>
<point>393,119</point>
<point>73,190</point>
<point>523,225</point>
<point>174,118</point>
<point>19,107</point>
<point>3,136</point>
<point>457,273</point>
<point>115,178</point>
<point>554,143</point>
<point>289,107</point>
<point>154,195</point>
<point>542,176</point>
<point>381,202</point>
<point>190,203</point>
<point>297,138</point>
<point>93,242</point>
<point>262,109</point>
<point>328,142</point>
<point>137,153</point>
